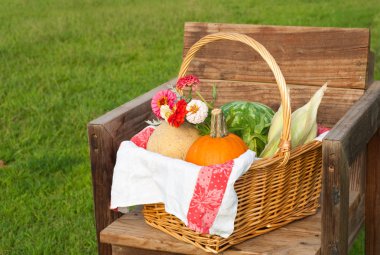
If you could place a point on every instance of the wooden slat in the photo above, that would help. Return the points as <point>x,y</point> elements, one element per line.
<point>306,55</point>
<point>372,208</point>
<point>356,196</point>
<point>370,68</point>
<point>300,237</point>
<point>102,154</point>
<point>335,190</point>
<point>357,172</point>
<point>132,231</point>
<point>359,124</point>
<point>267,93</point>
<point>122,250</point>
<point>355,216</point>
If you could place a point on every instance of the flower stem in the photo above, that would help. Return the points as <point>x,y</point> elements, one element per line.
<point>190,96</point>
<point>201,97</point>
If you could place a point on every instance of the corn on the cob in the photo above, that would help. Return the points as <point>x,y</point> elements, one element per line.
<point>312,134</point>
<point>303,125</point>
<point>273,135</point>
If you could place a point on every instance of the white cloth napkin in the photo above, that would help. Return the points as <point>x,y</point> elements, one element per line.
<point>144,177</point>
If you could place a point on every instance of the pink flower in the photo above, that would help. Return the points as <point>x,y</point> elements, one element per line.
<point>163,97</point>
<point>188,81</point>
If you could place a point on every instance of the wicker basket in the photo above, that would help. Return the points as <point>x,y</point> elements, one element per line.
<point>273,192</point>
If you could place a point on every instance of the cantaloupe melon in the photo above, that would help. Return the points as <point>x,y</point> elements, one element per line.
<point>171,141</point>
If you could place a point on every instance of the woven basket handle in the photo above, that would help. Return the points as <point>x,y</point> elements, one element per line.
<point>284,145</point>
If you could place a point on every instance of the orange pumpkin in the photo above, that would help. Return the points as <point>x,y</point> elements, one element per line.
<point>218,147</point>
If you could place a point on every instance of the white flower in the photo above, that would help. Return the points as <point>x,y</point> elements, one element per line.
<point>165,111</point>
<point>197,111</point>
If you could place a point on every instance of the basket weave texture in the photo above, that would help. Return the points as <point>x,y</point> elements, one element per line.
<point>273,192</point>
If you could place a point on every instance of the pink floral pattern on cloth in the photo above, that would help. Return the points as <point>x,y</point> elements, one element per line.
<point>322,129</point>
<point>142,137</point>
<point>208,195</point>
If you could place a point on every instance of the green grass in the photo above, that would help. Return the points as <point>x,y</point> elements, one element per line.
<point>65,62</point>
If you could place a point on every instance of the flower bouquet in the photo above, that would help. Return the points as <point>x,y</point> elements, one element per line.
<point>175,108</point>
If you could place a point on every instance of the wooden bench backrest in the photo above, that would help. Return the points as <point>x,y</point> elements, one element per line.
<point>307,56</point>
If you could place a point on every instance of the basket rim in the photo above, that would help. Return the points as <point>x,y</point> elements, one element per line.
<point>277,158</point>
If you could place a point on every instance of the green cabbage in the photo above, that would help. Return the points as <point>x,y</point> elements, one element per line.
<point>250,121</point>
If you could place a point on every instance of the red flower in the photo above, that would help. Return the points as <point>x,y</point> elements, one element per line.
<point>179,114</point>
<point>188,81</point>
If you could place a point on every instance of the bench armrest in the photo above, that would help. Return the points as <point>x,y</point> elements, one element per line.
<point>359,124</point>
<point>126,120</point>
<point>343,149</point>
<point>105,135</point>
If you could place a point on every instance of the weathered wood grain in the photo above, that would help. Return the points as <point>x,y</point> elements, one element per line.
<point>370,68</point>
<point>122,250</point>
<point>306,55</point>
<point>335,190</point>
<point>299,237</point>
<point>372,208</point>
<point>132,231</point>
<point>355,216</point>
<point>102,154</point>
<point>356,197</point>
<point>340,98</point>
<point>357,172</point>
<point>359,124</point>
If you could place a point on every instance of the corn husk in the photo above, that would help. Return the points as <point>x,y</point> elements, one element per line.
<point>273,135</point>
<point>303,125</point>
<point>312,134</point>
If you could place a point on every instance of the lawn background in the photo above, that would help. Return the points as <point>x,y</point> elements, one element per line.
<point>65,62</point>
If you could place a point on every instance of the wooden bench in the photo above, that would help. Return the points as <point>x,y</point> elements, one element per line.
<point>308,57</point>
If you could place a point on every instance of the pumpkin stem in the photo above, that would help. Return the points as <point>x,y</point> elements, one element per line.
<point>218,124</point>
